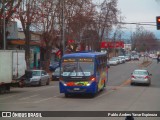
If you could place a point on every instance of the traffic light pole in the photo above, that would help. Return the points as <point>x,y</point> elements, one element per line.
<point>158,22</point>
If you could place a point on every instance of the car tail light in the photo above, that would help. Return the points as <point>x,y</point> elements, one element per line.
<point>92,78</point>
<point>146,77</point>
<point>132,76</point>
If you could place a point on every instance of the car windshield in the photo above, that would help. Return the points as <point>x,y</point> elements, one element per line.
<point>36,73</point>
<point>57,70</point>
<point>140,73</point>
<point>113,59</point>
<point>77,69</point>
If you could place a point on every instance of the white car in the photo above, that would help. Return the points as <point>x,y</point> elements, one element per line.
<point>119,60</point>
<point>113,61</point>
<point>38,77</point>
<point>123,58</point>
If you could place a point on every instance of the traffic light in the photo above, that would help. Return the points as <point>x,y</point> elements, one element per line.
<point>158,22</point>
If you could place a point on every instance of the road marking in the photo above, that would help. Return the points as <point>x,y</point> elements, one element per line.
<point>42,100</point>
<point>7,97</point>
<point>38,101</point>
<point>115,88</point>
<point>123,84</point>
<point>42,88</point>
<point>24,98</point>
<point>28,92</point>
<point>15,103</point>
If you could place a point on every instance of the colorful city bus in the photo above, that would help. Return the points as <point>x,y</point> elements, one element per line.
<point>83,73</point>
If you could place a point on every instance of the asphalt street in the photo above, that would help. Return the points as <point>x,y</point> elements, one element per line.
<point>119,95</point>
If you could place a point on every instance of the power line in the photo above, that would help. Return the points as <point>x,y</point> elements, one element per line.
<point>140,23</point>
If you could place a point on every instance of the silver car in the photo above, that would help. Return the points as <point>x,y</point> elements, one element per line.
<point>38,77</point>
<point>141,76</point>
<point>123,58</point>
<point>113,61</point>
<point>120,60</point>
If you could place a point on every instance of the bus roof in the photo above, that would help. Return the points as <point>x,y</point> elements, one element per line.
<point>88,54</point>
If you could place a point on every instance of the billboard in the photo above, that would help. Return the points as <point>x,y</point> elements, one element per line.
<point>112,44</point>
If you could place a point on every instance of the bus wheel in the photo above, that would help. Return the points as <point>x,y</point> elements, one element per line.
<point>92,95</point>
<point>66,95</point>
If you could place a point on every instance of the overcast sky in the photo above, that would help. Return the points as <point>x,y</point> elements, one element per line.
<point>139,11</point>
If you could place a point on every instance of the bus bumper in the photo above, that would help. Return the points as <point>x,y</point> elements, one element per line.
<point>92,88</point>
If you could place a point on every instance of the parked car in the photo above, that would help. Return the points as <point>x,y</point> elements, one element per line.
<point>141,76</point>
<point>136,57</point>
<point>132,57</point>
<point>113,61</point>
<point>38,77</point>
<point>119,59</point>
<point>123,58</point>
<point>127,58</point>
<point>54,65</point>
<point>56,74</point>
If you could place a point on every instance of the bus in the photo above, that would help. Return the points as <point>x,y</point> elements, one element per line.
<point>83,73</point>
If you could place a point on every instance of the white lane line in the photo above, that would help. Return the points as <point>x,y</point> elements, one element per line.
<point>33,102</point>
<point>43,88</point>
<point>42,100</point>
<point>24,98</point>
<point>15,103</point>
<point>7,97</point>
<point>28,92</point>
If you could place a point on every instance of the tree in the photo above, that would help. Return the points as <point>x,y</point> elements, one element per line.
<point>48,24</point>
<point>9,7</point>
<point>27,14</point>
<point>79,19</point>
<point>106,18</point>
<point>143,40</point>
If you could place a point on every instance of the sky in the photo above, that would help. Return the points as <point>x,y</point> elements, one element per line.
<point>139,11</point>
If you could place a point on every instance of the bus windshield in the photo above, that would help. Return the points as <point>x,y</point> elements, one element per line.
<point>77,68</point>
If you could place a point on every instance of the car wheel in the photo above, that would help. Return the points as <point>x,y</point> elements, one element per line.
<point>40,83</point>
<point>132,83</point>
<point>48,82</point>
<point>67,95</point>
<point>149,84</point>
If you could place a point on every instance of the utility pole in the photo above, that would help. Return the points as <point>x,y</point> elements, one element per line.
<point>4,25</point>
<point>63,26</point>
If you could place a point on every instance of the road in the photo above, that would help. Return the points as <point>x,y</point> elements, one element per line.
<point>118,96</point>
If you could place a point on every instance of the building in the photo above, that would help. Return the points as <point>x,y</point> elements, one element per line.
<point>16,40</point>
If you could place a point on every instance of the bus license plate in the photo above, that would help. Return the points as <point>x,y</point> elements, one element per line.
<point>76,89</point>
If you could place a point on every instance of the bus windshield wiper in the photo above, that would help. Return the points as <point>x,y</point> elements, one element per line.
<point>81,70</point>
<point>73,71</point>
